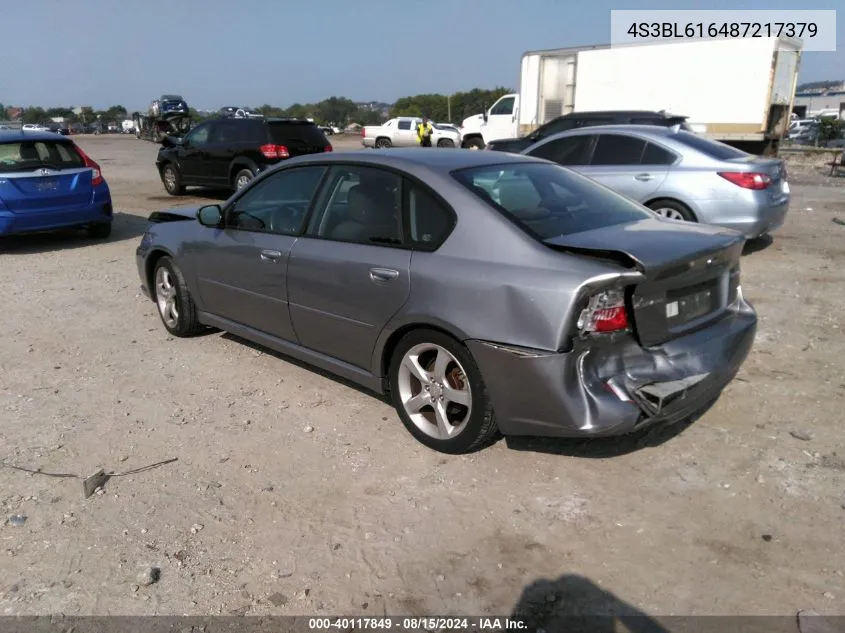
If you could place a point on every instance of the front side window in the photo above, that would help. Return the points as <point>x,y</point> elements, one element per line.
<point>199,135</point>
<point>574,150</point>
<point>363,204</point>
<point>505,106</point>
<point>277,204</point>
<point>548,201</point>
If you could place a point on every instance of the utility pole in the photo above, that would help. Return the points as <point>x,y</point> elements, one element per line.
<point>449,108</point>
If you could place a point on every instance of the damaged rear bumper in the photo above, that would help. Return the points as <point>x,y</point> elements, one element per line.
<point>614,386</point>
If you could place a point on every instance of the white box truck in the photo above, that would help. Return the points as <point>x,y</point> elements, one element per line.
<point>738,91</point>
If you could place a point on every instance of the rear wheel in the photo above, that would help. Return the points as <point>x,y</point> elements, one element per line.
<point>99,231</point>
<point>383,143</point>
<point>445,142</point>
<point>172,180</point>
<point>439,393</point>
<point>243,178</point>
<point>173,300</point>
<point>672,209</point>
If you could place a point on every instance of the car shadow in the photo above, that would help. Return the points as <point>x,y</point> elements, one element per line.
<point>757,244</point>
<point>608,447</point>
<point>303,365</point>
<point>575,604</point>
<point>125,226</point>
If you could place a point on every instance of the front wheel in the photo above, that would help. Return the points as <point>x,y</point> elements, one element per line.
<point>445,142</point>
<point>439,393</point>
<point>475,143</point>
<point>174,302</point>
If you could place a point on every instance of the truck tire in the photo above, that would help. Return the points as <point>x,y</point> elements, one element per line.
<point>383,143</point>
<point>474,142</point>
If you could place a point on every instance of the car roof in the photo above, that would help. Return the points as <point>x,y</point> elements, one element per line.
<point>628,128</point>
<point>441,160</point>
<point>628,113</point>
<point>15,136</point>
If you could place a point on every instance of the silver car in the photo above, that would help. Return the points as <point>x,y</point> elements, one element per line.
<point>678,174</point>
<point>483,292</point>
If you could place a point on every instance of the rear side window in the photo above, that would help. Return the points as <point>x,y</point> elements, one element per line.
<point>656,155</point>
<point>548,201</point>
<point>616,149</point>
<point>26,155</point>
<point>429,221</point>
<point>404,125</point>
<point>714,149</point>
<point>295,133</point>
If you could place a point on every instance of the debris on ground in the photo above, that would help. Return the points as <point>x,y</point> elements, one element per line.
<point>839,221</point>
<point>17,520</point>
<point>148,576</point>
<point>804,436</point>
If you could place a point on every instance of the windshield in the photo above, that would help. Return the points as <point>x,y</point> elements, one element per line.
<point>28,155</point>
<point>547,200</point>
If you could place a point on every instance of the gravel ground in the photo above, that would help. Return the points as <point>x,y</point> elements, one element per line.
<point>296,493</point>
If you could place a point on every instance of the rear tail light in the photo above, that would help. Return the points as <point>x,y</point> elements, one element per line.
<point>97,174</point>
<point>363,131</point>
<point>605,312</point>
<point>747,180</point>
<point>274,151</point>
<point>328,148</point>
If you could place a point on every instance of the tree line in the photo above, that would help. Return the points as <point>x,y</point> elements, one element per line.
<point>339,111</point>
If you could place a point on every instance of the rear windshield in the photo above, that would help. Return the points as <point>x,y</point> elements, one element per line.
<point>290,132</point>
<point>548,200</point>
<point>26,155</point>
<point>712,148</point>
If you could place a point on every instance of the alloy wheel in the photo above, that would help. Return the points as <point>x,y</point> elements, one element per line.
<point>166,297</point>
<point>672,214</point>
<point>435,391</point>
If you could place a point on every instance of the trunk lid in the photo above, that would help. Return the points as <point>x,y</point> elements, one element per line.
<point>691,271</point>
<point>44,189</point>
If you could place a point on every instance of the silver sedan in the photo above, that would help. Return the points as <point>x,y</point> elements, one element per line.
<point>484,293</point>
<point>678,174</point>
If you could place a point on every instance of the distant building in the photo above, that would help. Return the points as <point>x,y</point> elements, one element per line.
<point>810,101</point>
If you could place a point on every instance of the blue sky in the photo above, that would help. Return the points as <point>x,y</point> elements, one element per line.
<point>226,52</point>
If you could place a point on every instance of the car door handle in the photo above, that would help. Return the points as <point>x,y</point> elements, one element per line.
<point>270,256</point>
<point>643,177</point>
<point>383,274</point>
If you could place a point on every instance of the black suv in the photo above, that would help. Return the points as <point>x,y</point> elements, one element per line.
<point>584,119</point>
<point>227,153</point>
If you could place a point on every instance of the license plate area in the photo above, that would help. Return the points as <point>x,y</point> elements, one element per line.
<point>685,305</point>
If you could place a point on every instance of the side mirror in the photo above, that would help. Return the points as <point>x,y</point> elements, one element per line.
<point>210,215</point>
<point>485,115</point>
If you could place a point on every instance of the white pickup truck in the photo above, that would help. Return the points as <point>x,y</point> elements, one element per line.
<point>402,132</point>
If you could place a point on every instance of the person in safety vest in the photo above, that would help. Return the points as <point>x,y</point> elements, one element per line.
<point>424,132</point>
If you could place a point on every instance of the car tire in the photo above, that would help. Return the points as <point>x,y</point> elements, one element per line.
<point>99,231</point>
<point>468,426</point>
<point>173,299</point>
<point>383,143</point>
<point>172,179</point>
<point>672,209</point>
<point>242,179</point>
<point>445,142</point>
<point>474,143</point>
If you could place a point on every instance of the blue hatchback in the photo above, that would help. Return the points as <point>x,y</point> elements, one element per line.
<point>47,182</point>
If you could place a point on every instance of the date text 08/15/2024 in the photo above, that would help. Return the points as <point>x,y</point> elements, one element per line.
<point>700,30</point>
<point>416,624</point>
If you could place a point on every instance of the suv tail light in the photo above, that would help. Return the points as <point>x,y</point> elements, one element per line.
<point>747,180</point>
<point>328,148</point>
<point>97,174</point>
<point>274,151</point>
<point>363,131</point>
<point>605,312</point>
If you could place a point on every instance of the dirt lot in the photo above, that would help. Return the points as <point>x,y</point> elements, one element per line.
<point>295,493</point>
